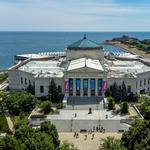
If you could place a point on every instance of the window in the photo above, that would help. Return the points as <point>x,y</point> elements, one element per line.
<point>148,80</point>
<point>92,87</point>
<point>59,89</point>
<point>34,84</point>
<point>85,87</point>
<point>21,80</point>
<point>70,87</point>
<point>25,81</point>
<point>136,84</point>
<point>78,85</point>
<point>129,89</point>
<point>100,87</point>
<point>41,89</point>
<point>144,81</point>
<point>140,83</point>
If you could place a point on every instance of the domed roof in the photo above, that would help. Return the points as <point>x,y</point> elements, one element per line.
<point>84,44</point>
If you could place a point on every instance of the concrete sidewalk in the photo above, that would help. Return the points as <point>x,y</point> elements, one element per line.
<point>10,123</point>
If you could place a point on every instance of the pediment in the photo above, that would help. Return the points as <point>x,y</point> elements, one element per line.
<point>85,69</point>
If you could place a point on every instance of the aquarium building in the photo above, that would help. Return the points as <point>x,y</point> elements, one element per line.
<point>82,72</point>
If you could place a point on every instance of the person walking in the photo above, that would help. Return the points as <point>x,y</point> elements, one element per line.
<point>92,136</point>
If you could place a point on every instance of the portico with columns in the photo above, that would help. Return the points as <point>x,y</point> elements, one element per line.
<point>85,78</point>
<point>85,73</point>
<point>83,91</point>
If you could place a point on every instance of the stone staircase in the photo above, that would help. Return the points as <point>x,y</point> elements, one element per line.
<point>83,103</point>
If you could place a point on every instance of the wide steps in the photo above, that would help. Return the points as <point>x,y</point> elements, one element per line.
<point>84,103</point>
<point>84,100</point>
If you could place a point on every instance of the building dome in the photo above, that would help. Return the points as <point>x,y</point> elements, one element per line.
<point>84,44</point>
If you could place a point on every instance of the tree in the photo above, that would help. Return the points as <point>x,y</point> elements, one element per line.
<point>24,132</point>
<point>67,146</point>
<point>114,89</point>
<point>2,98</point>
<point>53,92</point>
<point>138,136</point>
<point>27,138</point>
<point>112,144</point>
<point>132,97</point>
<point>119,93</point>
<point>31,138</point>
<point>145,107</point>
<point>111,103</point>
<point>124,92</point>
<point>31,89</point>
<point>124,108</point>
<point>9,143</point>
<point>46,106</point>
<point>115,92</point>
<point>108,92</point>
<point>50,129</point>
<point>17,102</point>
<point>22,119</point>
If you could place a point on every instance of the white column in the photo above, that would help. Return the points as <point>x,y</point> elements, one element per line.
<point>96,87</point>
<point>103,94</point>
<point>74,87</point>
<point>81,86</point>
<point>89,88</point>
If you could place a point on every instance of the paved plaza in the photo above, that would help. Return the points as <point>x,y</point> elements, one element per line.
<point>83,115</point>
<point>87,144</point>
<point>77,120</point>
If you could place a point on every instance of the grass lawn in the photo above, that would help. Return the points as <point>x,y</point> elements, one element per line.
<point>3,77</point>
<point>3,124</point>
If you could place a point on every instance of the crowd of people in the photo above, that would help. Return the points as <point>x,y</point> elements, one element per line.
<point>99,128</point>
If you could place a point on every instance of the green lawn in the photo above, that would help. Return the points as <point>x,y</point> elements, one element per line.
<point>3,77</point>
<point>3,124</point>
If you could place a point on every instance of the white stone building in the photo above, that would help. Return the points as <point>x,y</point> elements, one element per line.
<point>82,71</point>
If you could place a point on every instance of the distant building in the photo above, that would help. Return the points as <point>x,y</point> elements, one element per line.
<point>124,38</point>
<point>81,71</point>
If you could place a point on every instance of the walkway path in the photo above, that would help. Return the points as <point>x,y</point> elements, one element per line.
<point>144,95</point>
<point>10,123</point>
<point>134,50</point>
<point>4,85</point>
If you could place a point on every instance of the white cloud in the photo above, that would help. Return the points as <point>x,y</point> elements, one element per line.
<point>67,15</point>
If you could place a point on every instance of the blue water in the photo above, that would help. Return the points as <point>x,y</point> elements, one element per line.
<point>13,43</point>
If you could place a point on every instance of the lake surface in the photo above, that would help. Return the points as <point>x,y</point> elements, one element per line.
<point>13,43</point>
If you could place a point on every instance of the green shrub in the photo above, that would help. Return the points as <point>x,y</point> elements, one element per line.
<point>46,107</point>
<point>59,106</point>
<point>3,77</point>
<point>111,103</point>
<point>124,108</point>
<point>3,124</point>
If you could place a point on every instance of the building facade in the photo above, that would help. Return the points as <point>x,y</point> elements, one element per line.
<point>83,72</point>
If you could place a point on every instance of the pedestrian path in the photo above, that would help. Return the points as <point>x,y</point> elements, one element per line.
<point>10,123</point>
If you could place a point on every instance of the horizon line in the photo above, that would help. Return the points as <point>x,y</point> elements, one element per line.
<point>65,31</point>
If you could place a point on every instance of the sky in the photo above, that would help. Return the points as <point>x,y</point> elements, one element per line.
<point>74,15</point>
